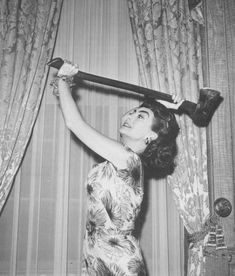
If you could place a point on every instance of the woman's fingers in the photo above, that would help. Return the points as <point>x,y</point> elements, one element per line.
<point>68,69</point>
<point>177,101</point>
<point>177,98</point>
<point>167,104</point>
<point>178,104</point>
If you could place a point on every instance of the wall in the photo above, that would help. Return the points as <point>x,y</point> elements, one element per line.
<point>219,71</point>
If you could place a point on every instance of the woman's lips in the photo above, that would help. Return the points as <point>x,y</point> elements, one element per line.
<point>126,125</point>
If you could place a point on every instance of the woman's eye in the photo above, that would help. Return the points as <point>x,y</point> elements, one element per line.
<point>140,116</point>
<point>132,111</point>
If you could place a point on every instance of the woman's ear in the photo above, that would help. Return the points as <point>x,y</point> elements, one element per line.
<point>154,135</point>
<point>151,136</point>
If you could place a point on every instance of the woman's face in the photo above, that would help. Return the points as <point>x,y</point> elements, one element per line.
<point>137,123</point>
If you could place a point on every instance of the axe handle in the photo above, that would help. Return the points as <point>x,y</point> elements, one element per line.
<point>123,85</point>
<point>186,107</point>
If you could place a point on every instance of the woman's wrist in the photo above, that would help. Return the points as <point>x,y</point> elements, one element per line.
<point>61,78</point>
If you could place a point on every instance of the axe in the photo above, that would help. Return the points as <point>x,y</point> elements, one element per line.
<point>200,113</point>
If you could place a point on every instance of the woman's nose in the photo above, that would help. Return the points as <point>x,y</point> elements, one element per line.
<point>130,117</point>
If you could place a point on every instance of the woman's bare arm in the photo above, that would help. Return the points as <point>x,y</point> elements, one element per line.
<point>109,149</point>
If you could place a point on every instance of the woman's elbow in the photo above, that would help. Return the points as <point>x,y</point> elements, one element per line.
<point>76,126</point>
<point>69,123</point>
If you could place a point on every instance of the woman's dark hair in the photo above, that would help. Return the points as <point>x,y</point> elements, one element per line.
<point>159,155</point>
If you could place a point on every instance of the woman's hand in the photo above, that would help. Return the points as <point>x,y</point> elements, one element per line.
<point>177,101</point>
<point>68,69</point>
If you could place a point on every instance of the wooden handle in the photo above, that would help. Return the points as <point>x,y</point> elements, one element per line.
<point>58,62</point>
<point>201,113</point>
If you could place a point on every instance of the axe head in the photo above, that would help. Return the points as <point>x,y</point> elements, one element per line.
<point>56,63</point>
<point>209,100</point>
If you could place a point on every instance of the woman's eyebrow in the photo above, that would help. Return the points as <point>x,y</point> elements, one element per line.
<point>145,112</point>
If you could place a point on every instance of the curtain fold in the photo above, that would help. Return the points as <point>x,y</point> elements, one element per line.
<point>168,49</point>
<point>27,35</point>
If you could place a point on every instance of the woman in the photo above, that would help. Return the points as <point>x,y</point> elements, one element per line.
<point>115,187</point>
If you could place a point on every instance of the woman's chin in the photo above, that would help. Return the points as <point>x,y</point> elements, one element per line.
<point>121,131</point>
<point>122,136</point>
<point>124,130</point>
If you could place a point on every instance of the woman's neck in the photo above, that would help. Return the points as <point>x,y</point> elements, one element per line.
<point>135,145</point>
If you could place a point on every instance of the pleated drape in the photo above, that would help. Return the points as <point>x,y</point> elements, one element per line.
<point>27,36</point>
<point>168,48</point>
<point>41,228</point>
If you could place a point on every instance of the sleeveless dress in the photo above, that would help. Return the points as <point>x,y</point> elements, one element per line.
<point>113,204</point>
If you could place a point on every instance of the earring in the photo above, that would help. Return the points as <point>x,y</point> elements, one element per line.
<point>147,141</point>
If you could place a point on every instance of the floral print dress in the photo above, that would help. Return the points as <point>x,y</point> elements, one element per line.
<point>114,200</point>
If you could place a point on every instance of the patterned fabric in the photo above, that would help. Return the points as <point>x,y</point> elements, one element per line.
<point>168,48</point>
<point>114,200</point>
<point>27,35</point>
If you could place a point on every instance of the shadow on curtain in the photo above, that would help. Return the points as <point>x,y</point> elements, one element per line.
<point>27,36</point>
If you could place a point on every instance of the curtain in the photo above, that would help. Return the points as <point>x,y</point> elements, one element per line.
<point>168,49</point>
<point>41,227</point>
<point>27,35</point>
